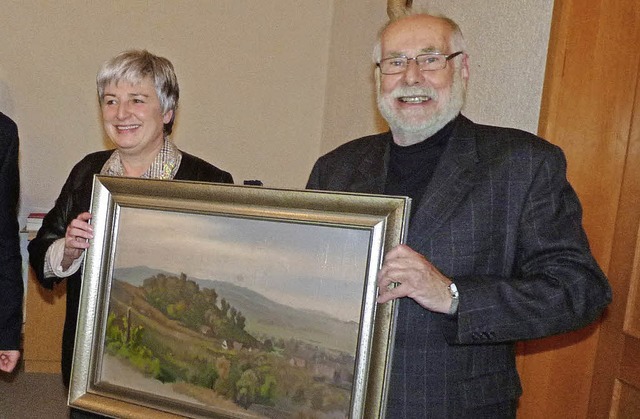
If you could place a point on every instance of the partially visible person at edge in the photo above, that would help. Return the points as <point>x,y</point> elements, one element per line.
<point>496,251</point>
<point>11,285</point>
<point>138,94</point>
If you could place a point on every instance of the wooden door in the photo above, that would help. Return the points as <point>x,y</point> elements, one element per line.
<point>616,379</point>
<point>591,108</point>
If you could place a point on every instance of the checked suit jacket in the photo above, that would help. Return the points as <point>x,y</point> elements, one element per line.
<point>500,219</point>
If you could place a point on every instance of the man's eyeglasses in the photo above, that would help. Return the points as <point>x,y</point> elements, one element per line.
<point>425,62</point>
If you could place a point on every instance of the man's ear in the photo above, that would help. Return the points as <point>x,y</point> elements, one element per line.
<point>464,69</point>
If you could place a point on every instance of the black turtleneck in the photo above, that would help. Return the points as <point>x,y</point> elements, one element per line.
<point>411,167</point>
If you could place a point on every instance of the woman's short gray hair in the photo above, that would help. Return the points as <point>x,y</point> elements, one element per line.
<point>133,66</point>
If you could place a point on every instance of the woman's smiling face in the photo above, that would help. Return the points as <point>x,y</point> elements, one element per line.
<point>133,118</point>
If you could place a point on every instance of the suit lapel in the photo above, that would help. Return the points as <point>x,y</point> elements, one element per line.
<point>451,182</point>
<point>371,174</point>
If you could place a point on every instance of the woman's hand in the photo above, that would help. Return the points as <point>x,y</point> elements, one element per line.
<point>79,231</point>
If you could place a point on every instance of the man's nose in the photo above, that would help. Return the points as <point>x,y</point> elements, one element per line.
<point>413,75</point>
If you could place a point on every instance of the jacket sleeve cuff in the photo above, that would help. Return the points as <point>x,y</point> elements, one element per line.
<point>53,261</point>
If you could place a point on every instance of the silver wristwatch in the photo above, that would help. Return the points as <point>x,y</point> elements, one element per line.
<point>455,298</point>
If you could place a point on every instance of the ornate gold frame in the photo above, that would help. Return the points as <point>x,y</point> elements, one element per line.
<point>384,217</point>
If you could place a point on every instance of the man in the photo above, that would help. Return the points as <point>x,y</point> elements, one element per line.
<point>495,253</point>
<point>11,286</point>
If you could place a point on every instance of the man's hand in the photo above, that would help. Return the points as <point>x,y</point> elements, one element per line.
<point>414,277</point>
<point>9,360</point>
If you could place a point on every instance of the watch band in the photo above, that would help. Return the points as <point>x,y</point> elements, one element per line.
<point>455,298</point>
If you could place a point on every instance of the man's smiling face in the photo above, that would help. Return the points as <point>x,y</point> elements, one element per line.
<point>420,101</point>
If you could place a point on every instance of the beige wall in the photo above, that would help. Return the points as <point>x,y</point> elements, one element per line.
<point>266,86</point>
<point>252,77</point>
<point>350,104</point>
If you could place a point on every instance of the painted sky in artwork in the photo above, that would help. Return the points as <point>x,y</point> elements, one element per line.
<point>301,265</point>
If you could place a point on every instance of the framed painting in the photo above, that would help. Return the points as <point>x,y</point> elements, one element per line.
<point>225,301</point>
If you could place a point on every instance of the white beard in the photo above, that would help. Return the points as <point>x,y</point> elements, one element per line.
<point>413,127</point>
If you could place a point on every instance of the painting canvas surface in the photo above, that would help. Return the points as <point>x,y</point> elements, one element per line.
<point>256,317</point>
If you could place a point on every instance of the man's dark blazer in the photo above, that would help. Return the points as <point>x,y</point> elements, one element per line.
<point>74,199</point>
<point>500,219</point>
<point>11,285</point>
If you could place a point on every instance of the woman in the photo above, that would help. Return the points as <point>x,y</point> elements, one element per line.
<point>138,95</point>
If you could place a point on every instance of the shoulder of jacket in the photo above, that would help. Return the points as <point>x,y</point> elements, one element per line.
<point>89,165</point>
<point>362,145</point>
<point>493,138</point>
<point>8,123</point>
<point>198,164</point>
<point>97,157</point>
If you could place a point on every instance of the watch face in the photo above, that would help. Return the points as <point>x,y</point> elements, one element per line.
<point>453,290</point>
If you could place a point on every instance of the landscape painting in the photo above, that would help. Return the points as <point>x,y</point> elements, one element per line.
<point>253,315</point>
<point>205,300</point>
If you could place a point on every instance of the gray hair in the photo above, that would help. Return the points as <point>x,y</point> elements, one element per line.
<point>133,66</point>
<point>456,40</point>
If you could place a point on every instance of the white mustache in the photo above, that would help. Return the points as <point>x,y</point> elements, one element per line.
<point>414,91</point>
